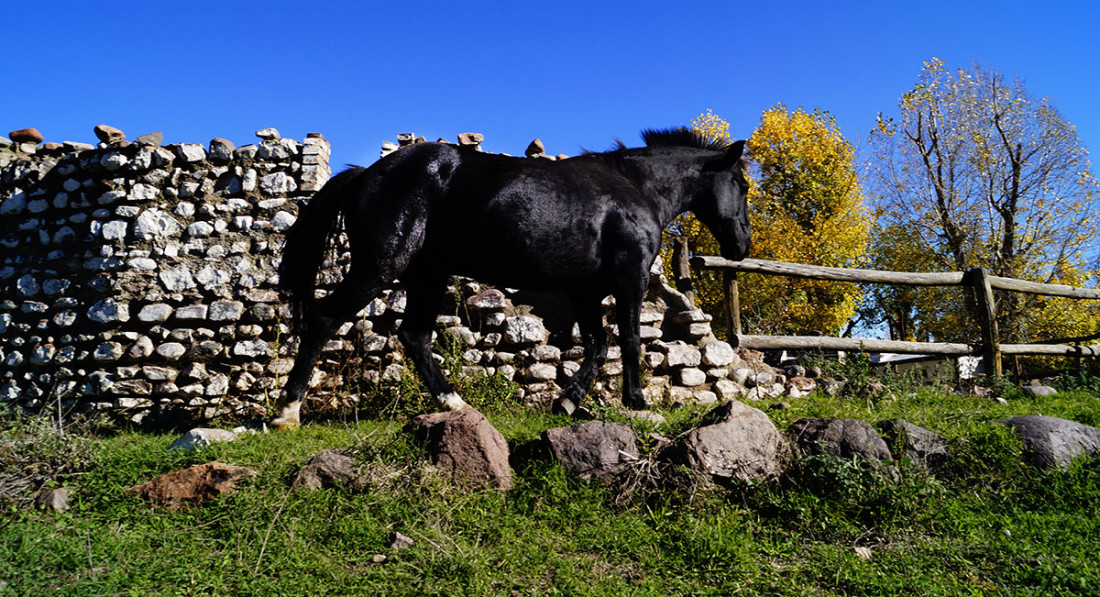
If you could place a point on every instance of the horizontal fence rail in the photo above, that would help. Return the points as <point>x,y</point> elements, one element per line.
<point>977,280</point>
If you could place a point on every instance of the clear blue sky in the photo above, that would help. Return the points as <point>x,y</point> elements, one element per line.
<point>576,74</point>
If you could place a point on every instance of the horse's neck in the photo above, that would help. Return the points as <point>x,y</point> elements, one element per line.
<point>663,178</point>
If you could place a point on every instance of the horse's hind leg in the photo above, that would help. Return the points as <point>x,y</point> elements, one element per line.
<point>322,320</point>
<point>628,303</point>
<point>589,313</point>
<point>424,300</point>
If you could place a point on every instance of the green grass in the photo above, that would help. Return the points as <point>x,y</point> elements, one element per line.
<point>987,523</point>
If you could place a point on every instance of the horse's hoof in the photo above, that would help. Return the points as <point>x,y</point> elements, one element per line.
<point>563,406</point>
<point>284,424</point>
<point>583,414</point>
<point>640,404</point>
<point>451,401</point>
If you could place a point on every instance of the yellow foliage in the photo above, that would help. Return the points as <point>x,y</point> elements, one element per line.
<point>806,206</point>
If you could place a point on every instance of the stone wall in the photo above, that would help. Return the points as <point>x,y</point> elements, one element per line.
<point>140,279</point>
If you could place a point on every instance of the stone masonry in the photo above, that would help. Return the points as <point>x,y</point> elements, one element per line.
<point>140,279</point>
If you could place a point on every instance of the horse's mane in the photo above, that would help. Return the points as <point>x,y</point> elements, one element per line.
<point>673,137</point>
<point>682,137</point>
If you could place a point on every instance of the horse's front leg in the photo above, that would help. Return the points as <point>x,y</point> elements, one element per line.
<point>424,299</point>
<point>628,315</point>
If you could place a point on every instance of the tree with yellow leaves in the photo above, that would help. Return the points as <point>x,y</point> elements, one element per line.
<point>980,174</point>
<point>806,206</point>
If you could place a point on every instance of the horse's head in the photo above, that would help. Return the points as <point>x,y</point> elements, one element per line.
<point>721,203</point>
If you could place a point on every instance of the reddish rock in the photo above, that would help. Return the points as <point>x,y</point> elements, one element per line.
<point>108,134</point>
<point>193,486</point>
<point>27,135</point>
<point>470,138</point>
<point>466,446</point>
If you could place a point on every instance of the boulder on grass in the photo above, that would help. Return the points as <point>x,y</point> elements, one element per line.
<point>1051,441</point>
<point>921,446</point>
<point>841,438</point>
<point>594,449</point>
<point>466,446</point>
<point>334,468</point>
<point>193,486</point>
<point>735,443</point>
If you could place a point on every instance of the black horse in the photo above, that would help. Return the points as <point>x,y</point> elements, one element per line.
<point>589,226</point>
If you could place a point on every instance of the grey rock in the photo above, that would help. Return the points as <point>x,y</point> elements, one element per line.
<point>594,449</point>
<point>682,354</point>
<point>200,437</point>
<point>152,139</point>
<point>1040,390</point>
<point>919,445</point>
<point>282,221</point>
<point>251,349</point>
<point>171,350</point>
<point>735,442</point>
<point>334,469</point>
<point>268,134</point>
<point>54,499</point>
<point>842,438</point>
<point>1051,441</point>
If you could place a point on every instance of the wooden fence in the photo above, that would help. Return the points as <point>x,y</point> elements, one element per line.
<point>977,280</point>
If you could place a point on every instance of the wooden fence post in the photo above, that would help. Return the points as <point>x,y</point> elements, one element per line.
<point>733,308</point>
<point>978,280</point>
<point>682,269</point>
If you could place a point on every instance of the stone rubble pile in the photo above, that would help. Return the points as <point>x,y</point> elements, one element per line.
<point>140,279</point>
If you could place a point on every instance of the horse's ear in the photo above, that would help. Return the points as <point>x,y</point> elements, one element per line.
<point>735,151</point>
<point>728,161</point>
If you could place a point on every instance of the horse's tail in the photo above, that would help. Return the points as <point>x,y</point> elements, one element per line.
<point>307,242</point>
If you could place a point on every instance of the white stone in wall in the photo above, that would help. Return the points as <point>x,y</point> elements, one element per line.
<point>64,319</point>
<point>524,330</point>
<point>5,321</point>
<point>14,204</point>
<point>278,184</point>
<point>143,264</point>
<point>37,206</point>
<point>141,349</point>
<point>6,272</point>
<point>144,192</point>
<point>177,278</point>
<point>154,223</point>
<point>109,311</point>
<point>690,376</point>
<point>226,311</point>
<point>108,351</point>
<point>114,230</point>
<point>155,312</point>
<point>28,286</point>
<point>110,197</point>
<point>191,152</point>
<point>682,354</point>
<point>127,211</point>
<point>251,349</point>
<point>192,312</point>
<point>13,359</point>
<point>282,221</point>
<point>717,354</point>
<point>185,209</point>
<point>171,350</point>
<point>113,161</point>
<point>212,277</point>
<point>248,182</point>
<point>200,230</point>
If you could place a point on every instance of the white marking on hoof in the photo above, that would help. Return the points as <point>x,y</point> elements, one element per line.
<point>452,401</point>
